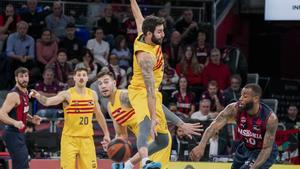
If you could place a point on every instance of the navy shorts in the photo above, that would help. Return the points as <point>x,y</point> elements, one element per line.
<point>16,146</point>
<point>244,157</point>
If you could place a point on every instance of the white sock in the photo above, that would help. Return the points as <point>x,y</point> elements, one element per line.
<point>128,165</point>
<point>144,161</point>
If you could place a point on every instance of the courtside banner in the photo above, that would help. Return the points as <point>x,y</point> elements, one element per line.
<point>282,10</point>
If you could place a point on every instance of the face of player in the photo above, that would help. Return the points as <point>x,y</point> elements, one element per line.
<point>106,85</point>
<point>80,78</point>
<point>158,35</point>
<point>247,99</point>
<point>22,79</point>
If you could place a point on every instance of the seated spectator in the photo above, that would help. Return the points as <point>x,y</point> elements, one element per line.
<point>215,96</point>
<point>46,49</point>
<point>61,68</point>
<point>8,24</point>
<point>48,87</point>
<point>169,23</point>
<point>291,119</point>
<point>216,70</point>
<point>89,64</point>
<point>187,27</point>
<point>122,52</point>
<point>57,21</point>
<point>233,92</point>
<point>180,146</point>
<point>109,24</point>
<point>99,48</point>
<point>202,48</point>
<point>35,17</point>
<point>120,74</point>
<point>169,82</point>
<point>72,45</point>
<point>183,98</point>
<point>204,113</point>
<point>173,49</point>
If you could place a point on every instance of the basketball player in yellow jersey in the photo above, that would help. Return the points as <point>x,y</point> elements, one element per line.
<point>80,103</point>
<point>123,116</point>
<point>147,76</point>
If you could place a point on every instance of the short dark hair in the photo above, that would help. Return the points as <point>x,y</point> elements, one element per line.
<point>62,50</point>
<point>255,88</point>
<point>151,22</point>
<point>212,83</point>
<point>78,69</point>
<point>105,71</point>
<point>21,70</point>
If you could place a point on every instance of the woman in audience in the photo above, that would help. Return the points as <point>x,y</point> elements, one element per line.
<point>89,64</point>
<point>122,52</point>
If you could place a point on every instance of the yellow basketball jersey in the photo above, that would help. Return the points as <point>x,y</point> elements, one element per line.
<point>155,51</point>
<point>79,114</point>
<point>122,115</point>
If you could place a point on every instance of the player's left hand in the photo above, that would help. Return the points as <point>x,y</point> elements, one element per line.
<point>105,142</point>
<point>190,129</point>
<point>153,132</point>
<point>36,120</point>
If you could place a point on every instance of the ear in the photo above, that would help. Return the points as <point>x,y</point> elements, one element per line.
<point>115,83</point>
<point>149,33</point>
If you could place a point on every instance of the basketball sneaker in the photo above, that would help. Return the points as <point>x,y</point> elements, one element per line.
<point>152,165</point>
<point>117,166</point>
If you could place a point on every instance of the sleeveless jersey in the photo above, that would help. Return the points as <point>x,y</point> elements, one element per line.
<point>78,114</point>
<point>19,112</point>
<point>123,116</point>
<point>251,130</point>
<point>155,51</point>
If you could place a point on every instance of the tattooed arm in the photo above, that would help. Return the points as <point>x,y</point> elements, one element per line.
<point>137,15</point>
<point>216,125</point>
<point>269,139</point>
<point>50,101</point>
<point>125,99</point>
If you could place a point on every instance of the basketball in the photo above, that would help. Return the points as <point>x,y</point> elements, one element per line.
<point>119,150</point>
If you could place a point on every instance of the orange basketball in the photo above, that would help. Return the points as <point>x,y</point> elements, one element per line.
<point>119,150</point>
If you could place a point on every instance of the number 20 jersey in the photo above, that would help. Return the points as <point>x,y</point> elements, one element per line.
<point>78,114</point>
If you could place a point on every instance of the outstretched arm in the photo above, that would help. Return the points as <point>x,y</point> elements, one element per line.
<point>10,102</point>
<point>269,139</point>
<point>137,15</point>
<point>50,101</point>
<point>215,126</point>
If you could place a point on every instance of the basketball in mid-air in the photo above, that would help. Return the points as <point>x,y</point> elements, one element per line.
<point>119,150</point>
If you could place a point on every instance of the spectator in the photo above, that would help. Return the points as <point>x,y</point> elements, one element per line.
<point>215,96</point>
<point>46,49</point>
<point>173,49</point>
<point>233,92</point>
<point>202,48</point>
<point>48,87</point>
<point>61,67</point>
<point>72,45</point>
<point>109,24</point>
<point>35,18</point>
<point>169,23</point>
<point>169,82</point>
<point>122,52</point>
<point>57,21</point>
<point>99,48</point>
<point>129,28</point>
<point>180,146</point>
<point>8,24</point>
<point>187,27</point>
<point>204,113</point>
<point>120,74</point>
<point>183,98</point>
<point>215,70</point>
<point>291,119</point>
<point>89,64</point>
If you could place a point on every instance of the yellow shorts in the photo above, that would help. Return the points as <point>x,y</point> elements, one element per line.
<point>138,100</point>
<point>81,148</point>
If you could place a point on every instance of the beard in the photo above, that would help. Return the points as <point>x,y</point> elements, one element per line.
<point>23,84</point>
<point>248,106</point>
<point>156,40</point>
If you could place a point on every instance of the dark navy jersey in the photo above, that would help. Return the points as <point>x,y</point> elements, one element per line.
<point>20,111</point>
<point>251,129</point>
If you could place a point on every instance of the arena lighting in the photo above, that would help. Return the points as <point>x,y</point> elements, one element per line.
<point>281,10</point>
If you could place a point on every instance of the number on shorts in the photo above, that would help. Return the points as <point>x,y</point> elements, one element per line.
<point>84,121</point>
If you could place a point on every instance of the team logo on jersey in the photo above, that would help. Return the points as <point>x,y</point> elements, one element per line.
<point>90,103</point>
<point>77,110</point>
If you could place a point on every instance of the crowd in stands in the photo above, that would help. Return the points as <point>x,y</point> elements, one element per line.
<point>199,79</point>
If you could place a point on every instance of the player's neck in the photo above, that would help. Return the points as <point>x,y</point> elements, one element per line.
<point>24,90</point>
<point>254,111</point>
<point>80,90</point>
<point>148,40</point>
<point>112,96</point>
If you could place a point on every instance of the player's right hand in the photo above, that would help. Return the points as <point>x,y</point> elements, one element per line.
<point>33,94</point>
<point>153,132</point>
<point>197,152</point>
<point>19,124</point>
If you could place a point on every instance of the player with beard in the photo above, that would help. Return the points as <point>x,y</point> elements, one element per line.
<point>123,116</point>
<point>143,92</point>
<point>256,127</point>
<point>14,113</point>
<point>80,103</point>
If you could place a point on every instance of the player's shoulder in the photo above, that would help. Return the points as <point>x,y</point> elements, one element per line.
<point>13,96</point>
